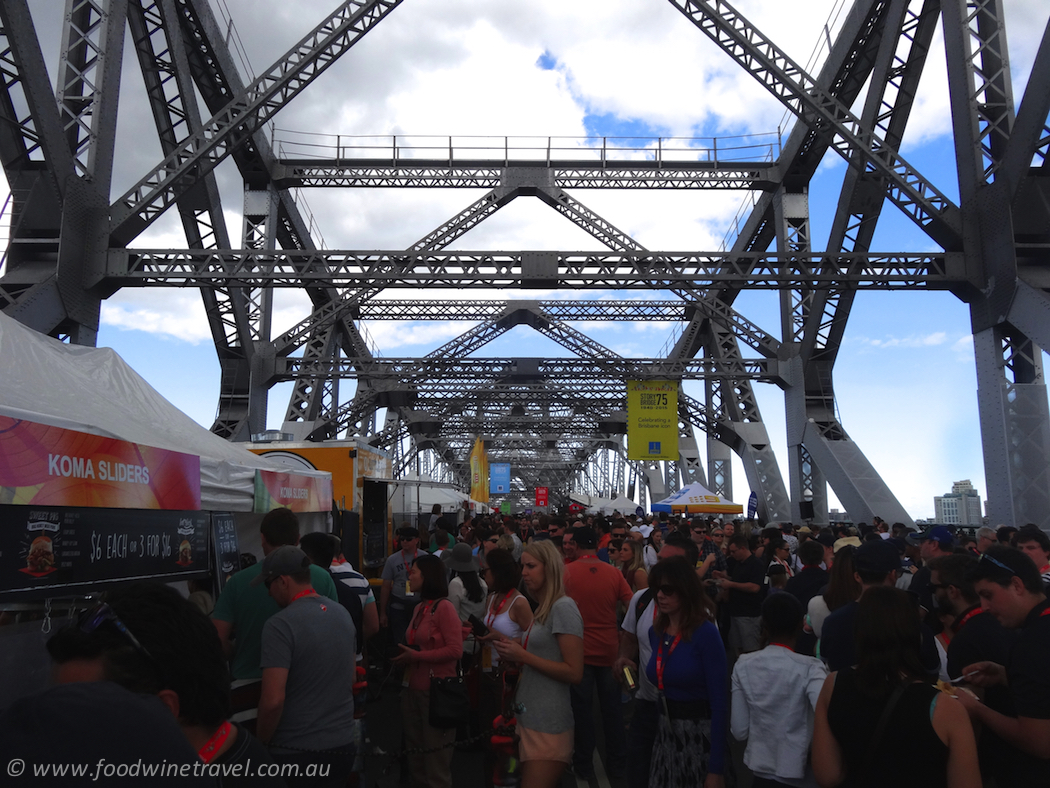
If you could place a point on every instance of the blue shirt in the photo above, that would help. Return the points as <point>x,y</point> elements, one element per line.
<point>696,670</point>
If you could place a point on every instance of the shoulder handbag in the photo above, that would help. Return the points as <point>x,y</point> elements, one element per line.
<point>449,701</point>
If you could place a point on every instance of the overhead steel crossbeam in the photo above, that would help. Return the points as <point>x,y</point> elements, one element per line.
<point>152,195</point>
<point>566,311</point>
<point>919,199</point>
<point>31,135</point>
<point>474,175</point>
<point>579,369</point>
<point>618,270</point>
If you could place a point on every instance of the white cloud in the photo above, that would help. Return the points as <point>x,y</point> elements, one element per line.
<point>390,335</point>
<point>935,339</point>
<point>174,314</point>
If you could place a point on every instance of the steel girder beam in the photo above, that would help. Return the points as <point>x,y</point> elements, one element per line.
<point>454,228</point>
<point>812,414</point>
<point>895,80</point>
<point>336,311</point>
<point>32,141</point>
<point>89,83</point>
<point>852,58</point>
<point>621,270</point>
<point>845,71</point>
<point>564,311</point>
<point>581,216</point>
<point>158,42</point>
<point>819,109</point>
<point>46,285</point>
<point>217,78</point>
<point>38,164</point>
<point>473,369</point>
<point>1011,392</point>
<point>153,194</point>
<point>1029,141</point>
<point>733,404</point>
<point>349,306</point>
<point>413,173</point>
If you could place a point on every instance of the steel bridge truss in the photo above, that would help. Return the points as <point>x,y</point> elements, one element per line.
<point>561,422</point>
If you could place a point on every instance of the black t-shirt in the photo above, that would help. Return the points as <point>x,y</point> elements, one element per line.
<point>745,603</point>
<point>978,636</point>
<point>97,725</point>
<point>1027,668</point>
<point>807,584</point>
<point>840,652</point>
<point>1029,681</point>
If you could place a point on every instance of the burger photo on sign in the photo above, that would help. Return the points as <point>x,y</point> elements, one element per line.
<point>41,558</point>
<point>185,553</point>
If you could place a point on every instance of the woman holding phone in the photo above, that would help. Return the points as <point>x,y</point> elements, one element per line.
<point>551,655</point>
<point>434,646</point>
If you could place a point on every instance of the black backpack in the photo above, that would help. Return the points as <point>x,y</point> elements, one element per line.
<point>351,600</point>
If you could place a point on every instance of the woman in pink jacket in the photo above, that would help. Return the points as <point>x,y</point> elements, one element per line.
<point>435,644</point>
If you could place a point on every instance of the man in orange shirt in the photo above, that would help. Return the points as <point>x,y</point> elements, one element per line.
<point>597,587</point>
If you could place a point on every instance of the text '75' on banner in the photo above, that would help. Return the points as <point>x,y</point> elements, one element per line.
<point>652,420</point>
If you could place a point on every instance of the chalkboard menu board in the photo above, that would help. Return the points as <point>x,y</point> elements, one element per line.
<point>224,539</point>
<point>55,548</point>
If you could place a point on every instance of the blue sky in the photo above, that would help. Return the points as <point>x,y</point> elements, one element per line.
<point>905,379</point>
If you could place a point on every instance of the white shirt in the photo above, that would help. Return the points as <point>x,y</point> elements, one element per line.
<point>774,695</point>
<point>640,629</point>
<point>649,557</point>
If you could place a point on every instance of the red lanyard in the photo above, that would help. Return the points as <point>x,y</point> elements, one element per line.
<point>211,747</point>
<point>660,659</point>
<point>301,594</point>
<point>499,609</point>
<point>962,621</point>
<point>410,636</point>
<point>404,561</point>
<point>528,634</point>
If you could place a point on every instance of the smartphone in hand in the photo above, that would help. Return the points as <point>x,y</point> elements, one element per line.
<point>476,624</point>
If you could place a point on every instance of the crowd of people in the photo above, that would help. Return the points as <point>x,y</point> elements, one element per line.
<point>873,655</point>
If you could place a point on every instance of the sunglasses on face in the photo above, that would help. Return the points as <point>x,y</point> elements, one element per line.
<point>667,590</point>
<point>718,534</point>
<point>494,540</point>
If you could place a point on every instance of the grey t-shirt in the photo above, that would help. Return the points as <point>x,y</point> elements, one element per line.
<point>396,571</point>
<point>546,701</point>
<point>314,638</point>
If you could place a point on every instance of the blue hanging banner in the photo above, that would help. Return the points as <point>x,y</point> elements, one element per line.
<point>752,505</point>
<point>499,478</point>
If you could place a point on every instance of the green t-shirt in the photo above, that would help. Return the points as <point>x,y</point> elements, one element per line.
<point>248,608</point>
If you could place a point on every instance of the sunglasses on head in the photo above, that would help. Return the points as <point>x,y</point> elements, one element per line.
<point>90,620</point>
<point>985,557</point>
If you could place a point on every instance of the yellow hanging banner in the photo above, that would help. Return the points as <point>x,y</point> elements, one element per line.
<point>479,473</point>
<point>652,420</point>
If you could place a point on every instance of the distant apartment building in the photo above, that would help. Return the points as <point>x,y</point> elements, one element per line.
<point>962,506</point>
